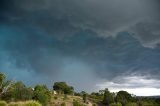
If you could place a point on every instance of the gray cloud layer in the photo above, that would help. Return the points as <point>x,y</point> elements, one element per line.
<point>105,38</point>
<point>106,18</point>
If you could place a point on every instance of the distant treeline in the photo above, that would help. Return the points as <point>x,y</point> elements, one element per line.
<point>11,91</point>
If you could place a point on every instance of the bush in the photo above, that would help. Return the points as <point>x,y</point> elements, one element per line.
<point>32,103</point>
<point>27,103</point>
<point>77,103</point>
<point>42,98</point>
<point>18,92</point>
<point>115,104</point>
<point>131,104</point>
<point>147,103</point>
<point>42,94</point>
<point>55,97</point>
<point>65,97</point>
<point>63,104</point>
<point>3,103</point>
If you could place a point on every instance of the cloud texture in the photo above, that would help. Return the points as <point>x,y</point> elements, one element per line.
<point>94,39</point>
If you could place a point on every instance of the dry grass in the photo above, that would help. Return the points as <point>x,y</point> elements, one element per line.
<point>3,103</point>
<point>26,103</point>
<point>57,100</point>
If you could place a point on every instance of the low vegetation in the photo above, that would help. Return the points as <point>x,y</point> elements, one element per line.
<point>3,103</point>
<point>26,103</point>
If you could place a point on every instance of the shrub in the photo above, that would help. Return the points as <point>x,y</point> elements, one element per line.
<point>55,97</point>
<point>3,103</point>
<point>32,103</point>
<point>115,104</point>
<point>15,104</point>
<point>63,104</point>
<point>65,97</point>
<point>42,98</point>
<point>119,104</point>
<point>131,104</point>
<point>77,103</point>
<point>42,94</point>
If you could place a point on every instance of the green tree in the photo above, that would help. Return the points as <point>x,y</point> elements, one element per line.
<point>62,87</point>
<point>2,78</point>
<point>17,91</point>
<point>42,94</point>
<point>101,92</point>
<point>123,97</point>
<point>21,92</point>
<point>108,97</point>
<point>85,97</point>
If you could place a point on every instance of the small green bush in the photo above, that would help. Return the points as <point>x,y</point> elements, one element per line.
<point>55,97</point>
<point>63,104</point>
<point>42,94</point>
<point>3,103</point>
<point>77,103</point>
<point>115,104</point>
<point>32,103</point>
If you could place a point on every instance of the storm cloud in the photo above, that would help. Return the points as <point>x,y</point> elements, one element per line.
<point>99,40</point>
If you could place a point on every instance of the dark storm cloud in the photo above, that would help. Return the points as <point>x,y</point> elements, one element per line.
<point>106,18</point>
<point>106,38</point>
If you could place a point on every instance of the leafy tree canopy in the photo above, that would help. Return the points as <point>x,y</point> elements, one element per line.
<point>63,87</point>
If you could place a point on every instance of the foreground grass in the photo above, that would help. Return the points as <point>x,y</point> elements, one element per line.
<point>26,103</point>
<point>61,100</point>
<point>3,103</point>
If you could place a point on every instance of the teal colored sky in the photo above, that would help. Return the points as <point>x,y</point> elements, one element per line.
<point>90,44</point>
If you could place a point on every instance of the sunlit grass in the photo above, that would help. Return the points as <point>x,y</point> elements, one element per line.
<point>26,103</point>
<point>3,103</point>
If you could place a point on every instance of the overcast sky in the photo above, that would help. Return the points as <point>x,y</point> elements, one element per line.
<point>90,44</point>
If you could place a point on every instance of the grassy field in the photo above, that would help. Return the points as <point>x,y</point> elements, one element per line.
<point>20,103</point>
<point>60,100</point>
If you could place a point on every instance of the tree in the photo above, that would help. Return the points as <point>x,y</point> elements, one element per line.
<point>108,97</point>
<point>123,97</point>
<point>101,92</point>
<point>42,94</point>
<point>21,92</point>
<point>2,78</point>
<point>85,97</point>
<point>62,87</point>
<point>17,91</point>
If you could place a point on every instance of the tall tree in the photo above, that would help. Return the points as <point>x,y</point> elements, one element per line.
<point>19,91</point>
<point>2,78</point>
<point>108,97</point>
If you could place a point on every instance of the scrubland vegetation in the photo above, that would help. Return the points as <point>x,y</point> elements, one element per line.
<point>18,94</point>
